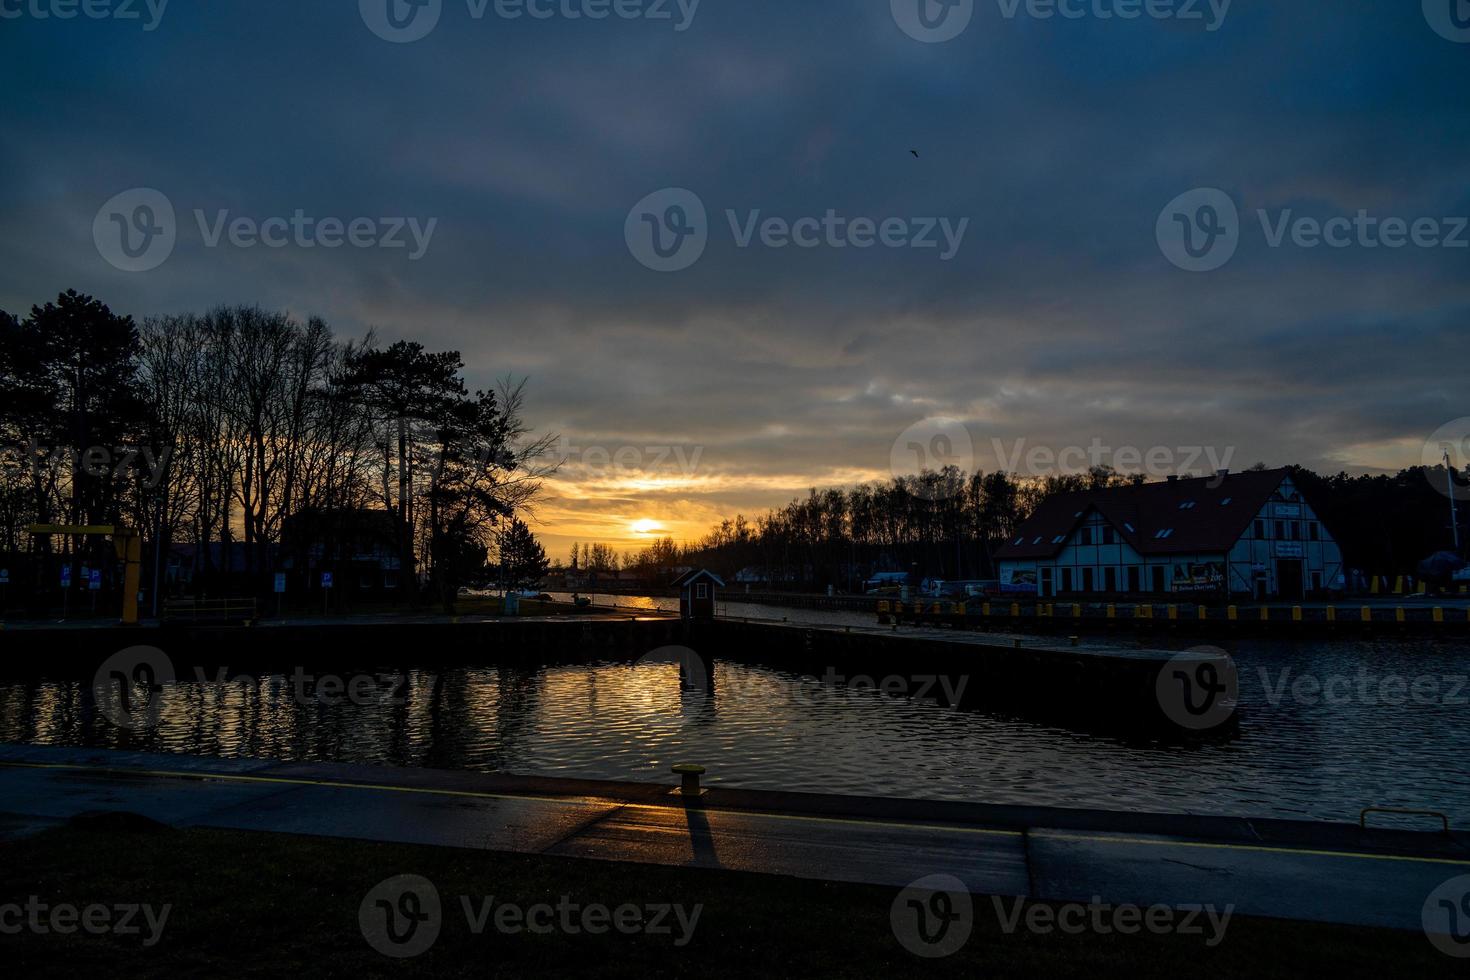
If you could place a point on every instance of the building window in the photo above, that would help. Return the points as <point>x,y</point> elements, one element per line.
<point>1084,536</point>
<point>1066,580</point>
<point>1312,531</point>
<point>1133,578</point>
<point>1281,531</point>
<point>1158,571</point>
<point>1164,533</point>
<point>1130,527</point>
<point>1187,505</point>
<point>1226,501</point>
<point>1260,529</point>
<point>1110,579</point>
<point>1110,536</point>
<point>1059,539</point>
<point>701,590</point>
<point>1086,580</point>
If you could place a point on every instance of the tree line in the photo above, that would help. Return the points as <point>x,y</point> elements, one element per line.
<point>949,524</point>
<point>222,427</point>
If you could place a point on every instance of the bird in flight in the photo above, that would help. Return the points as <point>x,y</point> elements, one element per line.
<point>915,153</point>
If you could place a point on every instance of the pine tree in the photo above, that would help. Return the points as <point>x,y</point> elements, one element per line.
<point>523,562</point>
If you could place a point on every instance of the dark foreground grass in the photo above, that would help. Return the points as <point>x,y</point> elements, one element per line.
<point>251,904</point>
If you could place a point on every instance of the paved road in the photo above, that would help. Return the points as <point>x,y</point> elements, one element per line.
<point>1318,880</point>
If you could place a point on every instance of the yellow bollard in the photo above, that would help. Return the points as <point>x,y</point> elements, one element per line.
<point>960,608</point>
<point>1398,585</point>
<point>1438,614</point>
<point>1076,609</point>
<point>1112,611</point>
<point>1173,611</point>
<point>1015,609</point>
<point>1373,588</point>
<point>1296,614</point>
<point>1398,614</point>
<point>1332,614</point>
<point>1265,613</point>
<point>985,609</point>
<point>884,606</point>
<point>1367,614</point>
<point>1230,613</point>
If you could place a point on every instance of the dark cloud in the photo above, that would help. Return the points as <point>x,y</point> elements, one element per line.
<point>1058,320</point>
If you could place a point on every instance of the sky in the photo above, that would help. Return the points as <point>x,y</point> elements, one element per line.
<point>1004,237</point>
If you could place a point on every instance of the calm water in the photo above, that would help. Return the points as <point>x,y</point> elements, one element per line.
<point>1369,744</point>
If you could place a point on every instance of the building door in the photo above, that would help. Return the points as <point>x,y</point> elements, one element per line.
<point>1288,578</point>
<point>1110,580</point>
<point>1133,578</point>
<point>1066,580</point>
<point>1158,574</point>
<point>1046,573</point>
<point>1087,580</point>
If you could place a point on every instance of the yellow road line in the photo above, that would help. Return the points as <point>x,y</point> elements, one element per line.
<point>852,821</point>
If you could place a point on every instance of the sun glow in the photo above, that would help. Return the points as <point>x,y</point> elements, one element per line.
<point>644,526</point>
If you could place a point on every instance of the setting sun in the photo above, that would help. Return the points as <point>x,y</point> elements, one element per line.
<point>644,526</point>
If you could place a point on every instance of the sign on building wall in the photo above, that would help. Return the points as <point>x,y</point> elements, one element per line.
<point>1018,580</point>
<point>1199,576</point>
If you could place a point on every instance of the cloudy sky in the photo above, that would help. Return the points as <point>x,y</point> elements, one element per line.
<point>1060,162</point>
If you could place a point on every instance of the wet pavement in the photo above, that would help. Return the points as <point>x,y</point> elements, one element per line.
<point>1318,872</point>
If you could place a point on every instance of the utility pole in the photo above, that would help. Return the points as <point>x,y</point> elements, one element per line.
<point>1449,476</point>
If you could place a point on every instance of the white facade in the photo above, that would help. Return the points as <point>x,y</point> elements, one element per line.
<point>1285,552</point>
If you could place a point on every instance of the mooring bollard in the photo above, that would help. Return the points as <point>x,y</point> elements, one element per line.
<point>689,774</point>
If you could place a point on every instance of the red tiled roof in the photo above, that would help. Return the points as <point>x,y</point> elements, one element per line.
<point>1223,509</point>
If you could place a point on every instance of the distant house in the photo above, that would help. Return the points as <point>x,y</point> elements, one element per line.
<point>1239,534</point>
<point>697,594</point>
<point>360,547</point>
<point>185,562</point>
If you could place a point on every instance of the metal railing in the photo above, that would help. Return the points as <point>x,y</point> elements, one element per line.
<point>209,610</point>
